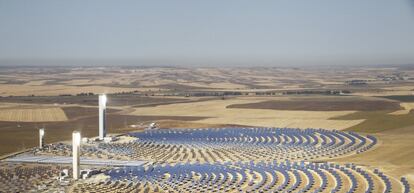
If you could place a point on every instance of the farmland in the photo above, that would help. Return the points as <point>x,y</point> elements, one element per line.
<point>217,113</point>
<point>34,114</point>
<point>62,100</point>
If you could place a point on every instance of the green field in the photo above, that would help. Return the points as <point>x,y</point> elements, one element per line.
<point>378,121</point>
<point>402,98</point>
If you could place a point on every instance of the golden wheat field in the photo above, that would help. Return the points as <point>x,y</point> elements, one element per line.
<point>33,114</point>
<point>407,107</point>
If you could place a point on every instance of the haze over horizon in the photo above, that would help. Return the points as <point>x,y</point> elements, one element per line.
<point>215,33</point>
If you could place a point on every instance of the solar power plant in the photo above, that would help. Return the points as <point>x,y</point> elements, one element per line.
<point>211,160</point>
<point>210,96</point>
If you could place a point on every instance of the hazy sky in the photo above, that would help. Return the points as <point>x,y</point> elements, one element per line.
<point>215,32</point>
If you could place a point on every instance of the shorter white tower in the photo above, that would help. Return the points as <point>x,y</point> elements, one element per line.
<point>102,118</point>
<point>41,137</point>
<point>76,139</point>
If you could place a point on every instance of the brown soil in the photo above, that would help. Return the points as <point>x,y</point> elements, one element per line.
<point>321,105</point>
<point>166,124</point>
<point>79,112</point>
<point>17,136</point>
<point>113,100</point>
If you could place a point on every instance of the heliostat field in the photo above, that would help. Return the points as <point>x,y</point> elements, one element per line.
<point>215,160</point>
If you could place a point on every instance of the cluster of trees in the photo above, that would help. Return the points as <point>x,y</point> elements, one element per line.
<point>200,94</point>
<point>79,94</point>
<point>323,92</point>
<point>357,82</point>
<point>269,93</point>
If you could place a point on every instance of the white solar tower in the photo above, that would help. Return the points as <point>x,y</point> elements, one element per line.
<point>41,137</point>
<point>102,118</point>
<point>76,139</point>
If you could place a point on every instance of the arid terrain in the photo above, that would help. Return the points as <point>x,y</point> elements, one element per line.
<point>368,100</point>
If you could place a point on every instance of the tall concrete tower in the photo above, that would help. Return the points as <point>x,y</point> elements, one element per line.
<point>102,118</point>
<point>76,139</point>
<point>41,137</point>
